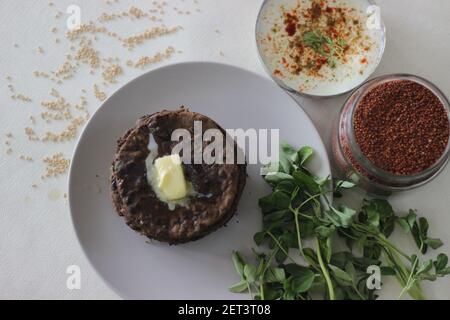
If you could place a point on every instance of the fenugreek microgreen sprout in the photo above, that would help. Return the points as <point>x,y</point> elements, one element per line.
<point>299,208</point>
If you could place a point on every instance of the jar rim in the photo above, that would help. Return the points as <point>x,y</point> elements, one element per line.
<point>416,179</point>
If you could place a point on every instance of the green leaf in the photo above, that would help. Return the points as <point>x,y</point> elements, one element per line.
<point>424,226</point>
<point>306,230</point>
<point>275,216</point>
<point>289,239</point>
<point>325,247</point>
<point>304,155</point>
<point>341,275</point>
<point>340,184</point>
<point>325,231</point>
<point>288,294</point>
<point>333,218</point>
<point>420,233</point>
<point>343,215</point>
<point>407,223</point>
<point>372,251</point>
<point>276,201</point>
<point>441,262</point>
<point>404,225</point>
<point>250,273</point>
<point>411,218</point>
<point>383,207</point>
<point>388,271</point>
<point>373,218</point>
<point>286,186</point>
<point>259,237</point>
<point>261,257</point>
<point>239,287</point>
<point>275,275</point>
<point>350,269</point>
<point>306,181</point>
<point>444,272</point>
<point>288,156</point>
<point>272,293</point>
<point>379,214</point>
<point>274,178</point>
<point>272,225</point>
<point>289,152</point>
<point>280,256</point>
<point>425,267</point>
<point>427,276</point>
<point>364,262</point>
<point>340,259</point>
<point>416,236</point>
<point>238,262</point>
<point>434,243</point>
<point>302,283</point>
<point>296,269</point>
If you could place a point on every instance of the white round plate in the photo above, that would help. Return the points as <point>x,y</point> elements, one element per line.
<point>134,267</point>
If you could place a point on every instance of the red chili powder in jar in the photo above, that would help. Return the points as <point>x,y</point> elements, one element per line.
<point>401,127</point>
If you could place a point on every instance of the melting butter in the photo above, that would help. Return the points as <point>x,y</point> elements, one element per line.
<point>166,176</point>
<point>170,178</point>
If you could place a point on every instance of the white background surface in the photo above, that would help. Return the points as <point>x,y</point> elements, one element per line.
<point>37,242</point>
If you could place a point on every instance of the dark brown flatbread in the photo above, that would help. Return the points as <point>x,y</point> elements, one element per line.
<point>135,200</point>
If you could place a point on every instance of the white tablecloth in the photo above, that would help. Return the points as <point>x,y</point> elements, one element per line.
<point>37,241</point>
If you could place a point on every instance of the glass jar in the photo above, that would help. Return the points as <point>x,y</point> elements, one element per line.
<point>354,165</point>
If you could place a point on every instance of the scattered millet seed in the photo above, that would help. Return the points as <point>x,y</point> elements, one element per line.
<point>86,28</point>
<point>69,133</point>
<point>148,60</point>
<point>100,95</point>
<point>136,13</point>
<point>88,55</point>
<point>32,136</point>
<point>66,71</point>
<point>21,97</point>
<point>26,158</point>
<point>130,42</point>
<point>107,17</point>
<point>41,74</point>
<point>55,165</point>
<point>83,53</point>
<point>112,72</point>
